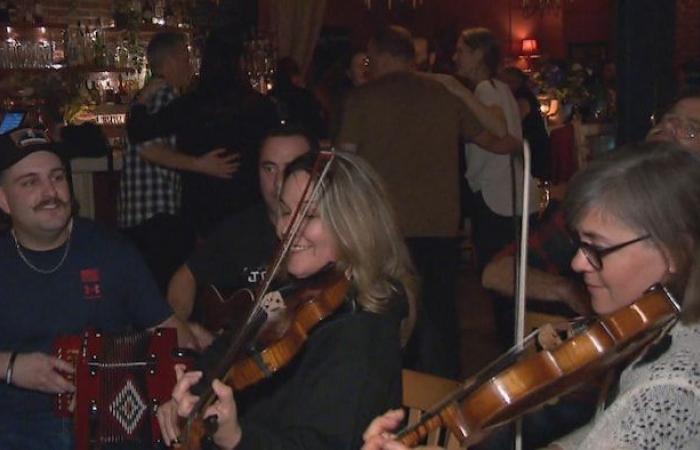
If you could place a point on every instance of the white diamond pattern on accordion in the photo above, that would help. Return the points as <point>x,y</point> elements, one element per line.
<point>128,407</point>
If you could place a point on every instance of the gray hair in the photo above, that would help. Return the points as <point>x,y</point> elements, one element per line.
<point>654,188</point>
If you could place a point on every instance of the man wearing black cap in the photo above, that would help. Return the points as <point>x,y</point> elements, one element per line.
<point>59,275</point>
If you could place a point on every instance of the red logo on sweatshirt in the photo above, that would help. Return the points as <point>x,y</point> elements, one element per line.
<point>92,287</point>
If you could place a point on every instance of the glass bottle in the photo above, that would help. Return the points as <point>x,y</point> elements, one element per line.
<point>147,12</point>
<point>4,12</point>
<point>38,13</point>
<point>12,12</point>
<point>159,12</point>
<point>100,58</point>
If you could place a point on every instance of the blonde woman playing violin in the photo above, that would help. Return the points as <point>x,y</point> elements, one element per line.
<point>349,370</point>
<point>636,215</point>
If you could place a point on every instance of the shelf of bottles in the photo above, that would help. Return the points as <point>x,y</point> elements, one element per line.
<point>259,60</point>
<point>110,67</point>
<point>105,55</point>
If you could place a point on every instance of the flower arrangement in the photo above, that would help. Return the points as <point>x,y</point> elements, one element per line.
<point>577,88</point>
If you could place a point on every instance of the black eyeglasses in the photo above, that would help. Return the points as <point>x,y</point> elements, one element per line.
<point>594,255</point>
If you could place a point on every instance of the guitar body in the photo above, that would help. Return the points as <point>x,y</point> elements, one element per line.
<point>219,308</point>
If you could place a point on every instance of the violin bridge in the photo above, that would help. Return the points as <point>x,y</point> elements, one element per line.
<point>548,338</point>
<point>273,305</point>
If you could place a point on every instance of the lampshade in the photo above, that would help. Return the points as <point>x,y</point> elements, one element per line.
<point>530,47</point>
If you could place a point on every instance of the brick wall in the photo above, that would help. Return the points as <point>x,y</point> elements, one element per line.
<point>65,11</point>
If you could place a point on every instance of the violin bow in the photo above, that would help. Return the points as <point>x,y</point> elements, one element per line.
<point>522,271</point>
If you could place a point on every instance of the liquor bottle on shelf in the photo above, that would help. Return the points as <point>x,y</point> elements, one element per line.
<point>4,12</point>
<point>137,8</point>
<point>38,13</point>
<point>159,13</point>
<point>27,12</point>
<point>100,59</point>
<point>93,97</point>
<point>73,53</point>
<point>121,56</point>
<point>12,12</point>
<point>147,12</point>
<point>170,16</point>
<point>123,92</point>
<point>87,44</point>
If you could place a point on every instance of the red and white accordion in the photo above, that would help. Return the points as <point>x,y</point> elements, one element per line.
<point>120,381</point>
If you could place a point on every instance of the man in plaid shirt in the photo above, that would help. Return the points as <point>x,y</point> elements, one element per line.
<point>151,188</point>
<point>552,286</point>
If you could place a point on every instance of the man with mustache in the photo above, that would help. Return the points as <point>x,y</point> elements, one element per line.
<point>59,275</point>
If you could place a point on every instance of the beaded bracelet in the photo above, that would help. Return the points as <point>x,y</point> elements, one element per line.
<point>10,368</point>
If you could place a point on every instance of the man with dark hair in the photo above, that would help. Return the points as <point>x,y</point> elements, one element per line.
<point>59,275</point>
<point>236,253</point>
<point>150,192</point>
<point>408,127</point>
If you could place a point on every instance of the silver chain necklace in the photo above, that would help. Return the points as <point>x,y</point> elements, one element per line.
<point>58,265</point>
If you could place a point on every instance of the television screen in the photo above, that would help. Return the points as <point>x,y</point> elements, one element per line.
<point>11,121</point>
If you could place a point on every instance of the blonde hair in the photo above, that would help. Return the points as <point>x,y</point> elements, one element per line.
<point>355,205</point>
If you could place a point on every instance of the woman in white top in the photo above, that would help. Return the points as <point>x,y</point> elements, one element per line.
<point>491,177</point>
<point>637,217</point>
<point>495,180</point>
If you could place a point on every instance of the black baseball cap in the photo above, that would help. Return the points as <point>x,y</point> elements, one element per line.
<point>17,144</point>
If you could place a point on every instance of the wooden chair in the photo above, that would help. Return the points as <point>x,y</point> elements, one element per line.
<point>421,391</point>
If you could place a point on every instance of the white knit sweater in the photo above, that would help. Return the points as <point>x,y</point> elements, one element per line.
<point>658,404</point>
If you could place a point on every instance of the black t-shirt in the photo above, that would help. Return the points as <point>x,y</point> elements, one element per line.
<point>103,284</point>
<point>237,252</point>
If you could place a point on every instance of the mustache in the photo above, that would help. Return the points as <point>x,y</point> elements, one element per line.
<point>51,202</point>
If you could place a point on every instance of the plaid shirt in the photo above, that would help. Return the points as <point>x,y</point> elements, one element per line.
<point>549,247</point>
<point>146,188</point>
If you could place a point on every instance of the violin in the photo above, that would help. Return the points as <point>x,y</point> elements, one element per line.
<point>276,323</point>
<point>491,401</point>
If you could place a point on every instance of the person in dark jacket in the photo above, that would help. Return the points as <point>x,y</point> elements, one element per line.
<point>222,112</point>
<point>534,128</point>
<point>295,103</point>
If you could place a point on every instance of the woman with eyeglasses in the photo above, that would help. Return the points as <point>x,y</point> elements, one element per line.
<point>636,214</point>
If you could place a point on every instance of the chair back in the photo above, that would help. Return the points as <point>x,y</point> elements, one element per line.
<point>421,391</point>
